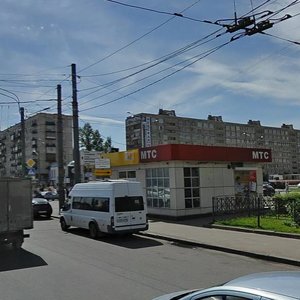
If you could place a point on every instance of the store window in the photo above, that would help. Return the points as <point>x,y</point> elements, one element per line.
<point>158,187</point>
<point>191,187</point>
<point>127,175</point>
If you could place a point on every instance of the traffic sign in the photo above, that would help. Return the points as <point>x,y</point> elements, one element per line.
<point>31,172</point>
<point>102,163</point>
<point>89,157</point>
<point>102,172</point>
<point>30,162</point>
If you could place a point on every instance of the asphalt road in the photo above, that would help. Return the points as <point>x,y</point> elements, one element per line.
<point>57,265</point>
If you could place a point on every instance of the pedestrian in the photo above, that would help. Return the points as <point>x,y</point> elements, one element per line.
<point>286,187</point>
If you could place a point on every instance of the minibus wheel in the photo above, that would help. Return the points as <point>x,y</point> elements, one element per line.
<point>93,230</point>
<point>64,225</point>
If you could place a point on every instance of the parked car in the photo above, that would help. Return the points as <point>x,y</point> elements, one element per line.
<point>41,207</point>
<point>268,190</point>
<point>270,285</point>
<point>49,195</point>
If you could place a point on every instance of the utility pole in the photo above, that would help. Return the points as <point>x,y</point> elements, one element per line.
<point>23,141</point>
<point>76,153</point>
<point>60,151</point>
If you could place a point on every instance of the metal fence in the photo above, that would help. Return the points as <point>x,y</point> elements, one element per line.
<point>256,205</point>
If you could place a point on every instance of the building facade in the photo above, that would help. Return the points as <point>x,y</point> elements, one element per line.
<point>182,180</point>
<point>147,130</point>
<point>40,149</point>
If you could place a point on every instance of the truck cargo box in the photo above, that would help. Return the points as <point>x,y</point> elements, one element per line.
<point>15,204</point>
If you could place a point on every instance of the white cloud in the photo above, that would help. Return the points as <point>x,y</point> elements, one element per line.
<point>101,121</point>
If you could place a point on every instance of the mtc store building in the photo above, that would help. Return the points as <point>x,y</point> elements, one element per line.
<point>181,180</point>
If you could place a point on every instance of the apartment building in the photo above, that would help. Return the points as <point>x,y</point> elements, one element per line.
<point>40,149</point>
<point>147,130</point>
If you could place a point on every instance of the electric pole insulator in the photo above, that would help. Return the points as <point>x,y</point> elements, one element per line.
<point>241,24</point>
<point>260,27</point>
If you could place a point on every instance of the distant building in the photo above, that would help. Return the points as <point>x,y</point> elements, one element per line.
<point>41,146</point>
<point>147,130</point>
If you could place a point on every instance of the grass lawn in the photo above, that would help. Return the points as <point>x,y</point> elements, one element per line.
<point>266,223</point>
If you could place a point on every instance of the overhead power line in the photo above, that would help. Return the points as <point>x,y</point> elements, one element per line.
<point>136,40</point>
<point>27,102</point>
<point>280,38</point>
<point>158,61</point>
<point>122,48</point>
<point>162,12</point>
<point>161,79</point>
<point>258,28</point>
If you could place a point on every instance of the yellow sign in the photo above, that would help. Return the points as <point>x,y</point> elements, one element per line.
<point>30,162</point>
<point>124,158</point>
<point>102,172</point>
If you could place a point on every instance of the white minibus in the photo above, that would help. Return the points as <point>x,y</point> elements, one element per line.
<point>106,207</point>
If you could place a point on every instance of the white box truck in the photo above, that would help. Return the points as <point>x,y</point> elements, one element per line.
<point>106,207</point>
<point>15,210</point>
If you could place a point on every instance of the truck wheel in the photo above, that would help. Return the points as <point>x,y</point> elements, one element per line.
<point>63,225</point>
<point>93,230</point>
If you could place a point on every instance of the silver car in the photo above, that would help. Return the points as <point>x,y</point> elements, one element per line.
<point>260,286</point>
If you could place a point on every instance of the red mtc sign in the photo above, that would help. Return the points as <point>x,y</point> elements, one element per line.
<point>258,155</point>
<point>148,154</point>
<point>204,153</point>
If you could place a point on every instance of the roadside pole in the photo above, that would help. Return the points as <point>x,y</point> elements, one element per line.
<point>61,170</point>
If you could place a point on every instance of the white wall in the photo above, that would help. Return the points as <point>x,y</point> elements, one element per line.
<point>216,179</point>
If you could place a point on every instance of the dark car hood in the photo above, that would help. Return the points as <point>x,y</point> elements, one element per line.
<point>39,201</point>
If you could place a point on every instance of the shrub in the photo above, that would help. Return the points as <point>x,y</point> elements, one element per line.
<point>289,203</point>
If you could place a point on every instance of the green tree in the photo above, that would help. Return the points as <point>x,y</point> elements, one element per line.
<point>107,145</point>
<point>97,141</point>
<point>91,139</point>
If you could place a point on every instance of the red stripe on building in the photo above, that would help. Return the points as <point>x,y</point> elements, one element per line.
<point>204,153</point>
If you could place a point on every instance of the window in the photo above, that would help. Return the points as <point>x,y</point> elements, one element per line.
<point>122,174</point>
<point>100,204</point>
<point>158,187</point>
<point>131,174</point>
<point>127,174</point>
<point>191,187</point>
<point>52,123</point>
<point>91,203</point>
<point>76,203</point>
<point>129,203</point>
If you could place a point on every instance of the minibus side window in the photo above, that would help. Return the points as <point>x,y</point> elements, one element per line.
<point>86,203</point>
<point>91,203</point>
<point>100,204</point>
<point>76,203</point>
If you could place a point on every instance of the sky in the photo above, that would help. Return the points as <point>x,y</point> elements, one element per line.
<point>139,56</point>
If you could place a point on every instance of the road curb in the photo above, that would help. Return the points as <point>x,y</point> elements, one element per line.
<point>257,231</point>
<point>223,249</point>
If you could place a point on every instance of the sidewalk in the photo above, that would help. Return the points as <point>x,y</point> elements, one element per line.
<point>195,233</point>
